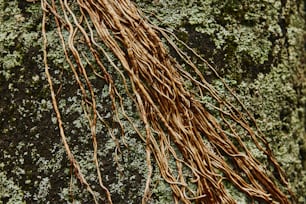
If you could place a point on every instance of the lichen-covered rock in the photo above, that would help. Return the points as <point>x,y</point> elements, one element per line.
<point>257,47</point>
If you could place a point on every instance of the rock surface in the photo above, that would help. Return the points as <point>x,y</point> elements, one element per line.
<point>257,46</point>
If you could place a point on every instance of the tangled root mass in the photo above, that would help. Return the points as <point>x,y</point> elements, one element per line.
<point>207,138</point>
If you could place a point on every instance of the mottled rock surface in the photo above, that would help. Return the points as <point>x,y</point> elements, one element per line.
<point>257,46</point>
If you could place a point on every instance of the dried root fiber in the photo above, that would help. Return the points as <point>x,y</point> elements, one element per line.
<point>207,138</point>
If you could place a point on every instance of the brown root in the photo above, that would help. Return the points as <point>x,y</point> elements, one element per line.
<point>211,146</point>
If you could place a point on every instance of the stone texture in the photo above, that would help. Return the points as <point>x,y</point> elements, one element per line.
<point>257,46</point>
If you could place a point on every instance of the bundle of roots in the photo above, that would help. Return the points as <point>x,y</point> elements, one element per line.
<point>207,138</point>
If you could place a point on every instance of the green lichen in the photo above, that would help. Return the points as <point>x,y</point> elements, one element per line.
<point>10,192</point>
<point>255,45</point>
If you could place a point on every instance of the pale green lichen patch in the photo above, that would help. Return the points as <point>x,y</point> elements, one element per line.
<point>238,36</point>
<point>256,45</point>
<point>10,191</point>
